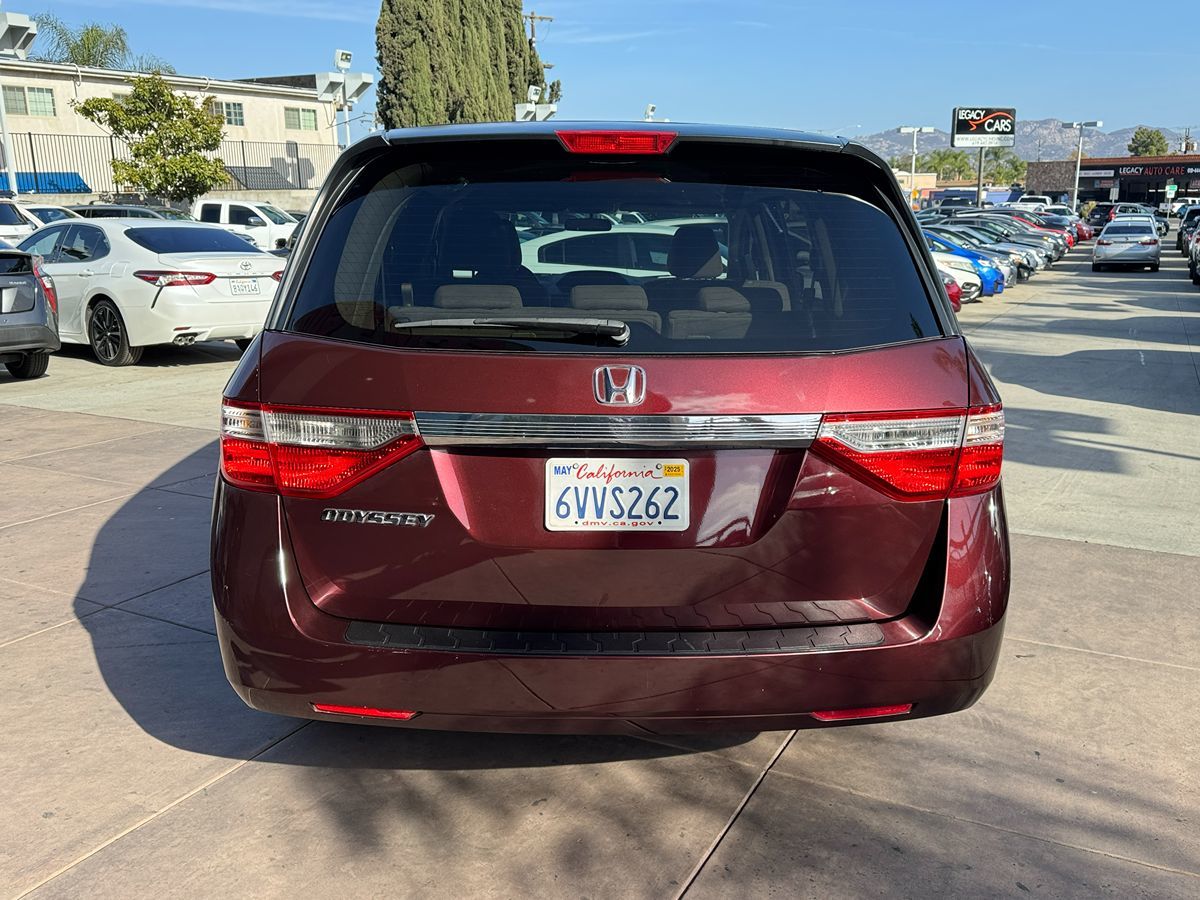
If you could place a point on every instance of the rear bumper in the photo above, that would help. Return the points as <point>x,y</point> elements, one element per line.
<point>193,317</point>
<point>38,336</point>
<point>282,654</point>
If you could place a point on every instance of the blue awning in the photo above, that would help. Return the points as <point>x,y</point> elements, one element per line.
<point>51,183</point>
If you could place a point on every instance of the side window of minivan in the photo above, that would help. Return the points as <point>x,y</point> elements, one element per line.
<point>211,212</point>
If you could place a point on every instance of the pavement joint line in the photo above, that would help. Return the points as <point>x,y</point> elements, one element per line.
<point>33,634</point>
<point>147,593</point>
<point>1013,831</point>
<point>145,820</point>
<point>712,848</point>
<point>89,443</point>
<point>1091,543</point>
<point>63,512</point>
<point>21,465</point>
<point>133,493</point>
<point>146,615</point>
<point>1136,659</point>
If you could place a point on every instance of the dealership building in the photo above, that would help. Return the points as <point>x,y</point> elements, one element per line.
<point>1137,179</point>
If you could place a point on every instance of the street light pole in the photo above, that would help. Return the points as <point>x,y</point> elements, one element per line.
<point>1079,156</point>
<point>17,32</point>
<point>914,130</point>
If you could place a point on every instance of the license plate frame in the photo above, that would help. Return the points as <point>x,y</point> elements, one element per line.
<point>244,287</point>
<point>576,485</point>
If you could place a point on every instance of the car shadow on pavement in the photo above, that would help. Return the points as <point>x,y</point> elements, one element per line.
<point>166,356</point>
<point>158,655</point>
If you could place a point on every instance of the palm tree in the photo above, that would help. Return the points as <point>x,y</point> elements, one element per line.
<point>91,44</point>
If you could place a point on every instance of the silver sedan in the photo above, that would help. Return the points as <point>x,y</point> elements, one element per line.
<point>1130,242</point>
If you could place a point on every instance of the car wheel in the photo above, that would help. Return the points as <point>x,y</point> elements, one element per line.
<point>1097,267</point>
<point>1195,273</point>
<point>106,334</point>
<point>1154,267</point>
<point>32,365</point>
<point>243,344</point>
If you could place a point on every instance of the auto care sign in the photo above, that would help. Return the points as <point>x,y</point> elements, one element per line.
<point>983,126</point>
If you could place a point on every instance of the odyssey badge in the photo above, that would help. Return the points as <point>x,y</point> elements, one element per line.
<point>377,517</point>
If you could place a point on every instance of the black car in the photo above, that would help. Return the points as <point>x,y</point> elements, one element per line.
<point>28,314</point>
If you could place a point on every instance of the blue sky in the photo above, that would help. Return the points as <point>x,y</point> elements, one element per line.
<point>850,67</point>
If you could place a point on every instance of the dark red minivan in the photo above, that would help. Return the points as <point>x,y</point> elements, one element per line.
<point>572,428</point>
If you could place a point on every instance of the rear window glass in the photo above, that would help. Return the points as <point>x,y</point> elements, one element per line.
<point>189,240</point>
<point>756,253</point>
<point>1128,229</point>
<point>15,264</point>
<point>10,216</point>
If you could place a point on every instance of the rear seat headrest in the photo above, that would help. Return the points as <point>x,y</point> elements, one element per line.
<point>722,299</point>
<point>477,296</point>
<point>609,296</point>
<point>695,253</point>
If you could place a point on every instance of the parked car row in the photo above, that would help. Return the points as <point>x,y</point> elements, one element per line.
<point>999,246</point>
<point>1188,240</point>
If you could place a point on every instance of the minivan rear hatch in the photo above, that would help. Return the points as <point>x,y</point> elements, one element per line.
<point>569,416</point>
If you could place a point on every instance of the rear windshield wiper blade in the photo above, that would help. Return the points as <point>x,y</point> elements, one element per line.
<point>614,330</point>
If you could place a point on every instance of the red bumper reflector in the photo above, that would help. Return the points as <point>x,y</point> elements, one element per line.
<point>866,712</point>
<point>623,142</point>
<point>368,712</point>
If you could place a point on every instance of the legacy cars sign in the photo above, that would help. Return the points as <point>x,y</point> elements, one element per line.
<point>983,126</point>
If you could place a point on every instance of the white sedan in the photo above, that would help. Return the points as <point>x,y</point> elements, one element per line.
<point>124,284</point>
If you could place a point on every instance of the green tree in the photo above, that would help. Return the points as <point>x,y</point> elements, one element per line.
<point>168,135</point>
<point>1148,142</point>
<point>1003,166</point>
<point>948,164</point>
<point>91,44</point>
<point>445,61</point>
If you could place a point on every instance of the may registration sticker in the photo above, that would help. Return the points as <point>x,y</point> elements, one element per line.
<point>617,494</point>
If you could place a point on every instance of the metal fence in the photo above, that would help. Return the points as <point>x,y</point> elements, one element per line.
<point>82,164</point>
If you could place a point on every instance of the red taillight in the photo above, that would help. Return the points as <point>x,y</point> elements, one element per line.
<point>368,712</point>
<point>1112,214</point>
<point>922,455</point>
<point>175,279</point>
<point>47,284</point>
<point>1103,243</point>
<point>1150,242</point>
<point>618,142</point>
<point>310,452</point>
<point>864,712</point>
<point>278,276</point>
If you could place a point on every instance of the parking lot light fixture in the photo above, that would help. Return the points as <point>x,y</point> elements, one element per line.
<point>914,130</point>
<point>1079,155</point>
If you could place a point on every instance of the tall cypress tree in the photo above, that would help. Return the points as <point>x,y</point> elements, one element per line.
<point>443,61</point>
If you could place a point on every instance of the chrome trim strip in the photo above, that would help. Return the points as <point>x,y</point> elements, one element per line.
<point>439,429</point>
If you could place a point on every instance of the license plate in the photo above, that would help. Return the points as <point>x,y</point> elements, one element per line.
<point>617,494</point>
<point>240,287</point>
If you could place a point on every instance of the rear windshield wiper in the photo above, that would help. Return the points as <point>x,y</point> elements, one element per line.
<point>545,328</point>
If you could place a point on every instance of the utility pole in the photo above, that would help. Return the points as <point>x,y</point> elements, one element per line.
<point>534,18</point>
<point>1079,155</point>
<point>914,130</point>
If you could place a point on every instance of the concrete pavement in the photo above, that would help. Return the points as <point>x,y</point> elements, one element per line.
<point>132,769</point>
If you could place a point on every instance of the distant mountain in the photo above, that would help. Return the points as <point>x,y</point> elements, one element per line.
<point>1044,139</point>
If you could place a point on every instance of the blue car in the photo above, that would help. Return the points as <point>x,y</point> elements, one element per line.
<point>991,277</point>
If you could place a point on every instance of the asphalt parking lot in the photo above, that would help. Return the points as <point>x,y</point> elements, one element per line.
<point>132,769</point>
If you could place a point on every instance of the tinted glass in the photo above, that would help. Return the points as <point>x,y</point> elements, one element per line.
<point>14,264</point>
<point>271,214</point>
<point>189,240</point>
<point>241,215</point>
<point>49,213</point>
<point>10,215</point>
<point>210,212</point>
<point>1127,229</point>
<point>808,266</point>
<point>44,242</point>
<point>83,244</point>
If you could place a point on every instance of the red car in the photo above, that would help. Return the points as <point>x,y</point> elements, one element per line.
<point>739,471</point>
<point>953,292</point>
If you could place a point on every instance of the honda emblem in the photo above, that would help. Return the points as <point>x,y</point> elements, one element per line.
<point>620,385</point>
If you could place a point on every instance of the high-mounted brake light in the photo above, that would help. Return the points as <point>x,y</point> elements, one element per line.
<point>921,455</point>
<point>175,279</point>
<point>47,283</point>
<point>301,452</point>
<point>618,142</point>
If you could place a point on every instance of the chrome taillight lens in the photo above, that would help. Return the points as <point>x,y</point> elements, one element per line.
<point>303,452</point>
<point>919,455</point>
